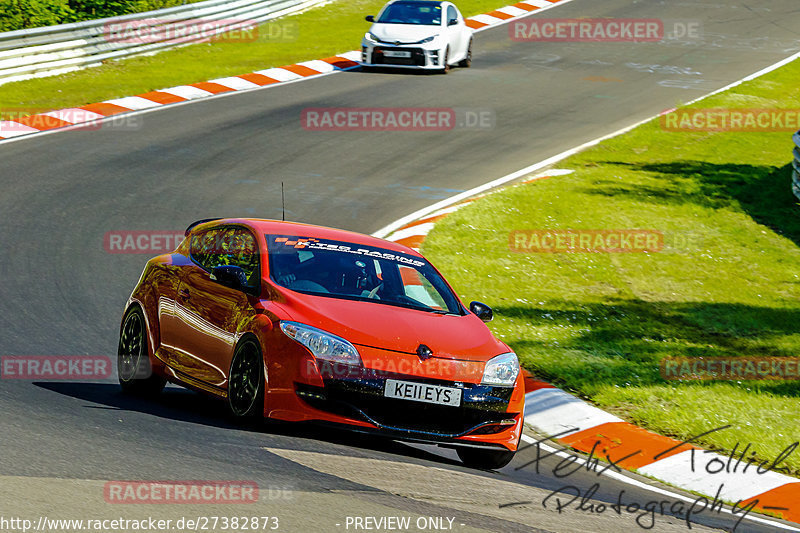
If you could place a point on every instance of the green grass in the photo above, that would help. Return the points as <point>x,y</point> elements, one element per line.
<point>320,32</point>
<point>727,282</point>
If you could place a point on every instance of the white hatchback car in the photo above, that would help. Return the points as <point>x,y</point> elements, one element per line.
<point>419,34</point>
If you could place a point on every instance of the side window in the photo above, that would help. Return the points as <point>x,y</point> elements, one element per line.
<point>243,253</point>
<point>451,14</point>
<point>417,287</point>
<point>203,248</point>
<point>227,246</point>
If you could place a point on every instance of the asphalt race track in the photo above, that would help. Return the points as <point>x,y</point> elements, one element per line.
<point>63,294</point>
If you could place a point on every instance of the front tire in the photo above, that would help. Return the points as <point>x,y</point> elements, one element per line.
<point>467,61</point>
<point>484,459</point>
<point>446,64</point>
<point>134,371</point>
<point>246,381</point>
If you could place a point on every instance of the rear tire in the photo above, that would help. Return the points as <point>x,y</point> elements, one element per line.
<point>484,459</point>
<point>246,381</point>
<point>134,371</point>
<point>467,61</point>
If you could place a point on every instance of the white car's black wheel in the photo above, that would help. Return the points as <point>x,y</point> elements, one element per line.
<point>467,61</point>
<point>246,381</point>
<point>133,362</point>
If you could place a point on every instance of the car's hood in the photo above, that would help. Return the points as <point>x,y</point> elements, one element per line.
<point>396,328</point>
<point>404,33</point>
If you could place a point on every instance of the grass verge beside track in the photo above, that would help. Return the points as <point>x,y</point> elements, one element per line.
<point>322,31</point>
<point>727,282</point>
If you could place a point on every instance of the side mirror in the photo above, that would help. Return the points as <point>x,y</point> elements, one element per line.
<point>482,311</point>
<point>452,22</point>
<point>370,18</point>
<point>230,276</point>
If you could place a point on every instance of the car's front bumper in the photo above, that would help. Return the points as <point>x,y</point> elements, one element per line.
<point>487,415</point>
<point>419,56</point>
<point>303,388</point>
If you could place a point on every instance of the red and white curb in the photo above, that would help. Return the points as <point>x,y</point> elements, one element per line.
<point>89,115</point>
<point>731,478</point>
<point>583,427</point>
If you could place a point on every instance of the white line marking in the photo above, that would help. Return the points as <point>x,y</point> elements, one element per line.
<point>513,11</point>
<point>236,83</point>
<point>318,65</point>
<point>486,19</point>
<point>552,173</point>
<point>751,77</point>
<point>448,210</point>
<point>73,115</point>
<point>557,411</point>
<point>677,470</point>
<point>280,74</point>
<point>413,231</point>
<point>9,129</point>
<point>352,55</point>
<point>133,102</point>
<point>185,91</point>
<point>539,3</point>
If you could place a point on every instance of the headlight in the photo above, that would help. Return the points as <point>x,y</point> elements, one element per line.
<point>427,39</point>
<point>322,344</point>
<point>371,37</point>
<point>501,370</point>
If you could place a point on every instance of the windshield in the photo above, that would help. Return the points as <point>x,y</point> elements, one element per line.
<point>425,13</point>
<point>355,272</point>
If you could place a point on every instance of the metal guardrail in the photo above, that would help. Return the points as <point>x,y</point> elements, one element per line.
<point>54,50</point>
<point>796,165</point>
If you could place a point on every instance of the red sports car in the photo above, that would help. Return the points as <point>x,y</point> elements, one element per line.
<point>298,322</point>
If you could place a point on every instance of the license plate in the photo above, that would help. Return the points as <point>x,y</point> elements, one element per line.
<point>396,53</point>
<point>422,392</point>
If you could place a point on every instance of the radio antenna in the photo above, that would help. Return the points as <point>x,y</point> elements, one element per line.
<point>283,205</point>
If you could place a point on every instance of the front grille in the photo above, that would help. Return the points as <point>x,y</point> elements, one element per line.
<point>363,399</point>
<point>379,58</point>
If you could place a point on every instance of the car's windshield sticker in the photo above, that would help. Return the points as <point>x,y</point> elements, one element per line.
<point>316,244</point>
